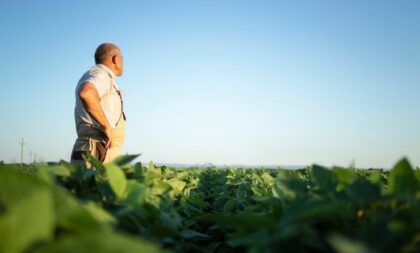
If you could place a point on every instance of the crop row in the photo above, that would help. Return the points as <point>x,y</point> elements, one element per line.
<point>121,207</point>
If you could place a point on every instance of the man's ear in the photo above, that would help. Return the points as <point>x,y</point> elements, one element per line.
<point>114,59</point>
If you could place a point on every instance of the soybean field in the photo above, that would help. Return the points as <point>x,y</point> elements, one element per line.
<point>132,207</point>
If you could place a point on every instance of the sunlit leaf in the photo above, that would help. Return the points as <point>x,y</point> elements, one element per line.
<point>125,159</point>
<point>345,245</point>
<point>99,242</point>
<point>27,214</point>
<point>117,179</point>
<point>402,180</point>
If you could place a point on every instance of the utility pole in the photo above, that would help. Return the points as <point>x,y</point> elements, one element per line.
<point>21,151</point>
<point>30,156</point>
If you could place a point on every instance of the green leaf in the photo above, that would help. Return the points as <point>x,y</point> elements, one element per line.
<point>171,219</point>
<point>402,180</point>
<point>151,166</point>
<point>182,174</point>
<point>27,214</point>
<point>116,179</point>
<point>363,191</point>
<point>268,179</point>
<point>197,200</point>
<point>136,193</point>
<point>287,231</point>
<point>99,213</point>
<point>99,242</point>
<point>102,184</point>
<point>230,205</point>
<point>325,179</point>
<point>345,245</point>
<point>177,185</point>
<point>243,221</point>
<point>72,216</point>
<point>314,210</point>
<point>376,177</point>
<point>345,177</point>
<point>125,159</point>
<point>57,170</point>
<point>289,185</point>
<point>417,172</point>
<point>255,238</point>
<point>189,234</point>
<point>160,187</point>
<point>323,211</point>
<point>95,163</point>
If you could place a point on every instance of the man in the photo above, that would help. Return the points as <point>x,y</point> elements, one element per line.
<point>99,115</point>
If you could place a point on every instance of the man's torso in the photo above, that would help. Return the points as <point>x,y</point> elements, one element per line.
<point>104,81</point>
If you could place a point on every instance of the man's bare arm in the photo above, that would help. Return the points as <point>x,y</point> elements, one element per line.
<point>91,100</point>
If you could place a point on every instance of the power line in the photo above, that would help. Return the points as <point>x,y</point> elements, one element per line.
<point>22,143</point>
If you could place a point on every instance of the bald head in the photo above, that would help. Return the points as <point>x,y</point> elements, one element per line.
<point>110,55</point>
<point>105,51</point>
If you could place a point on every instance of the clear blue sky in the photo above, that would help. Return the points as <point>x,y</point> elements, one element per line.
<point>221,81</point>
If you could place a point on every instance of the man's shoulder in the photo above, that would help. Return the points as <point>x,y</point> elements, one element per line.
<point>94,74</point>
<point>97,71</point>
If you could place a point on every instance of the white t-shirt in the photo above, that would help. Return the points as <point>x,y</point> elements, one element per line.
<point>104,81</point>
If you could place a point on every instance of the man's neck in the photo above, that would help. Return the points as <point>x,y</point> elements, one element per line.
<point>109,69</point>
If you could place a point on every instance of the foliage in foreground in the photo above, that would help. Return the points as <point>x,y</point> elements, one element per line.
<point>133,208</point>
